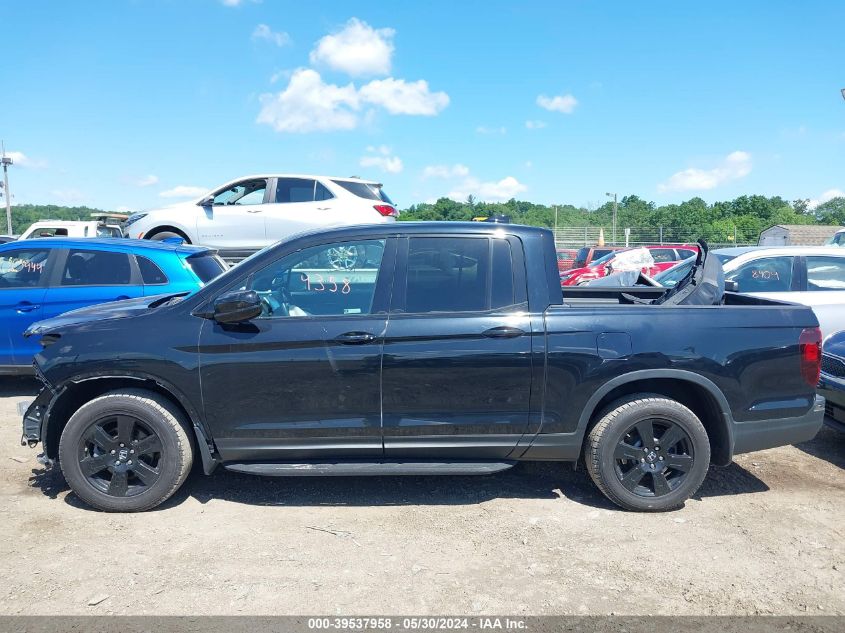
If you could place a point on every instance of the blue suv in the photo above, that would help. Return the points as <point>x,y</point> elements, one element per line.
<point>43,278</point>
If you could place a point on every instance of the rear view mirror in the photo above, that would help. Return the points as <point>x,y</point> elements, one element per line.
<point>731,286</point>
<point>206,202</point>
<point>237,306</point>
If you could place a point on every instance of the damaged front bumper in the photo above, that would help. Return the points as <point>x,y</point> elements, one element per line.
<point>34,414</point>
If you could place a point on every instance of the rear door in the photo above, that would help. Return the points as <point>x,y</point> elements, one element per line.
<point>457,356</point>
<point>23,279</point>
<point>298,204</point>
<point>85,276</point>
<point>822,287</point>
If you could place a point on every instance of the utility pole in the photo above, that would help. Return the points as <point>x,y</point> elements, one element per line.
<point>555,224</point>
<point>615,207</point>
<point>7,160</point>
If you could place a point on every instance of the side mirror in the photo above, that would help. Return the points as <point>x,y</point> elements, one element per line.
<point>237,306</point>
<point>731,286</point>
<point>206,202</point>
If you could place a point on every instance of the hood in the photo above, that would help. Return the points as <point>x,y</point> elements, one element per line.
<point>100,312</point>
<point>835,344</point>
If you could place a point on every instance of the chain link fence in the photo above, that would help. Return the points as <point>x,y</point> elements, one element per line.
<point>578,236</point>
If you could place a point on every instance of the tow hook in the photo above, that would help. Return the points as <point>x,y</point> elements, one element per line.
<point>45,461</point>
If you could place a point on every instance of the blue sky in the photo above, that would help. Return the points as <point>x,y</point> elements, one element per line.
<point>133,103</point>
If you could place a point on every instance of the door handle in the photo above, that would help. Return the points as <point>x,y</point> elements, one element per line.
<point>503,332</point>
<point>25,306</point>
<point>355,338</point>
<point>254,210</point>
<point>120,298</point>
<point>323,208</point>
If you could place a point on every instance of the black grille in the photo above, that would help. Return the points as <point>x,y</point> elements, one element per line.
<point>833,366</point>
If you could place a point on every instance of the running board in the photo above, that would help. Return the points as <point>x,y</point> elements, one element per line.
<point>350,469</point>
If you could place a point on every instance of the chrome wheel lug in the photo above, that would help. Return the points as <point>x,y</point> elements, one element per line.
<point>129,462</point>
<point>122,445</point>
<point>652,466</point>
<point>661,458</point>
<point>642,459</point>
<point>112,452</point>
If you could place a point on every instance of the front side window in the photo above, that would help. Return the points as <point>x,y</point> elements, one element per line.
<point>244,193</point>
<point>23,268</point>
<point>825,273</point>
<point>768,274</point>
<point>458,274</point>
<point>662,255</point>
<point>328,280</point>
<point>295,190</point>
<point>686,253</point>
<point>96,268</point>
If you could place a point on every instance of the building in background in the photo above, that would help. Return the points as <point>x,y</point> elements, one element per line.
<point>797,234</point>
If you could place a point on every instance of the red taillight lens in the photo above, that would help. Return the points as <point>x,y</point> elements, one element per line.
<point>386,210</point>
<point>810,345</point>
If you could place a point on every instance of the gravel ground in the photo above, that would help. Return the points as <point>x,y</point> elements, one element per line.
<point>763,536</point>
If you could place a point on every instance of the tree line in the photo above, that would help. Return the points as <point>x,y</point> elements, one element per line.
<point>743,217</point>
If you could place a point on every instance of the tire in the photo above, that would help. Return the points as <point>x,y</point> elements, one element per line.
<point>97,451</point>
<point>163,235</point>
<point>654,480</point>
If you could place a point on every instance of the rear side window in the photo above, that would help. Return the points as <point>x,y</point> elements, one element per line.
<point>686,253</point>
<point>206,266</point>
<point>295,190</point>
<point>825,273</point>
<point>364,190</point>
<point>458,274</point>
<point>601,252</point>
<point>23,268</point>
<point>96,268</point>
<point>150,273</point>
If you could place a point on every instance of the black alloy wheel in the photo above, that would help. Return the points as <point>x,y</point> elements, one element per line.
<point>653,457</point>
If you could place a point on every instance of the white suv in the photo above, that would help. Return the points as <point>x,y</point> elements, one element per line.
<point>249,213</point>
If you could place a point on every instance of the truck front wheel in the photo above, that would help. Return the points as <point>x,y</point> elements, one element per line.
<point>126,451</point>
<point>648,453</point>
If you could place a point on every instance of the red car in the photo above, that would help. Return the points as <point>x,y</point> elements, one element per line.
<point>665,256</point>
<point>565,258</point>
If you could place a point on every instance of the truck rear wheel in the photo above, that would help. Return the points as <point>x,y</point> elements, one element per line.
<point>648,453</point>
<point>126,451</point>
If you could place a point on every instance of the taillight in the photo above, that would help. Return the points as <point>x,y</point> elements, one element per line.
<point>810,345</point>
<point>386,210</point>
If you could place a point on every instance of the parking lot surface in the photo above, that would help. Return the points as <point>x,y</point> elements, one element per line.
<point>763,536</point>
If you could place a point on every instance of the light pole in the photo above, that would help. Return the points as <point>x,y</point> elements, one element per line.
<point>7,160</point>
<point>613,195</point>
<point>555,224</point>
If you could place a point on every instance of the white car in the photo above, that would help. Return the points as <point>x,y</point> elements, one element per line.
<point>810,275</point>
<point>250,213</point>
<point>71,228</point>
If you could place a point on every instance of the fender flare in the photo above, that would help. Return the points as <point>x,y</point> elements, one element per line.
<point>203,436</point>
<point>675,374</point>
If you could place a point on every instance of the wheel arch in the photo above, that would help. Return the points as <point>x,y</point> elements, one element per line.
<point>77,392</point>
<point>162,228</point>
<point>694,391</point>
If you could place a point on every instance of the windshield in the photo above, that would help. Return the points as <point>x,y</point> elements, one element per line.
<point>669,278</point>
<point>602,260</point>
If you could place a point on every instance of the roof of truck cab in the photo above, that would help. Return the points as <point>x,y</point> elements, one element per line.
<point>105,243</point>
<point>415,227</point>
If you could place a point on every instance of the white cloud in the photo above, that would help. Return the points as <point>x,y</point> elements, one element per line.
<point>183,191</point>
<point>357,49</point>
<point>146,181</point>
<point>264,32</point>
<point>400,97</point>
<point>446,171</point>
<point>22,160</point>
<point>735,165</point>
<point>561,103</point>
<point>504,189</point>
<point>308,104</point>
<point>535,124</point>
<point>382,158</point>
<point>830,194</point>
<point>481,129</point>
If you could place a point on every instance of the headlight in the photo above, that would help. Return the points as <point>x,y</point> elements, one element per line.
<point>134,218</point>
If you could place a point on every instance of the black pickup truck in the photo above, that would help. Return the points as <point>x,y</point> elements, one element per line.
<point>417,349</point>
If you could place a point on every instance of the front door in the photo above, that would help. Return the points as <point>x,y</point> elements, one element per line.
<point>457,357</point>
<point>235,221</point>
<point>23,277</point>
<point>310,364</point>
